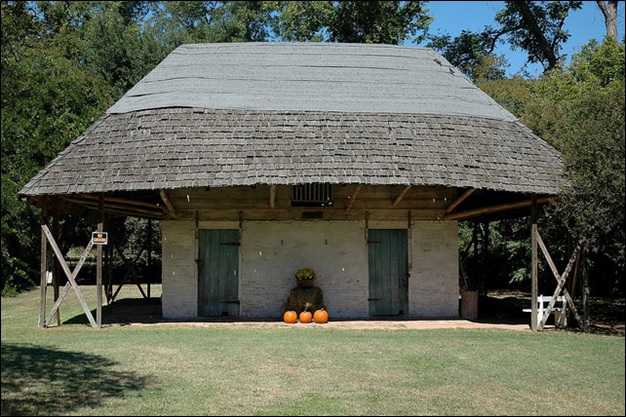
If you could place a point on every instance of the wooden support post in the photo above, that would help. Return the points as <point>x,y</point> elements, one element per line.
<point>99,265</point>
<point>108,287</point>
<point>149,267</point>
<point>71,281</point>
<point>44,268</point>
<point>56,231</point>
<point>534,267</point>
<point>561,280</point>
<point>272,201</point>
<point>585,283</point>
<point>70,275</point>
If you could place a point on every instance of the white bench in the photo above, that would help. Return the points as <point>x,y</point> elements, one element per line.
<point>560,307</point>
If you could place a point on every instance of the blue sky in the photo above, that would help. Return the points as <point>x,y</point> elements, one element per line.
<point>452,17</point>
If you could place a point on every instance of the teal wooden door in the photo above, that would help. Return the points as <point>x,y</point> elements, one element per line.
<point>218,273</point>
<point>388,272</point>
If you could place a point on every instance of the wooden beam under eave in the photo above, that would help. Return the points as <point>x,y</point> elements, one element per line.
<point>272,201</point>
<point>461,215</point>
<point>401,196</point>
<point>124,201</point>
<point>119,208</point>
<point>353,197</point>
<point>459,200</point>
<point>168,203</point>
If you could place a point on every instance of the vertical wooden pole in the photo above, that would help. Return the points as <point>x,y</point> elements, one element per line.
<point>44,268</point>
<point>585,283</point>
<point>56,272</point>
<point>149,277</point>
<point>108,288</point>
<point>534,267</point>
<point>99,265</point>
<point>485,258</point>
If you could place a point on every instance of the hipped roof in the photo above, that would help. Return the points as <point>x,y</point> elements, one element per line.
<point>223,115</point>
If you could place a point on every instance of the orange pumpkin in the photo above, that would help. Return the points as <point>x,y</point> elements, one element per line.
<point>320,316</point>
<point>290,316</point>
<point>306,317</point>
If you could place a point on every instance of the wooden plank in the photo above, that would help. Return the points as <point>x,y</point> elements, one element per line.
<point>459,200</point>
<point>153,211</point>
<point>561,279</point>
<point>57,303</point>
<point>296,214</point>
<point>494,209</point>
<point>77,268</point>
<point>401,196</point>
<point>170,207</point>
<point>130,268</point>
<point>544,249</point>
<point>272,203</point>
<point>125,201</point>
<point>353,197</point>
<point>68,273</point>
<point>43,281</point>
<point>56,230</point>
<point>534,268</point>
<point>99,266</point>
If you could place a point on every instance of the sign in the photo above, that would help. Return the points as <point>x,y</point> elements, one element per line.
<point>99,238</point>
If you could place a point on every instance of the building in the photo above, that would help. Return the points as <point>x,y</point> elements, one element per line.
<point>262,158</point>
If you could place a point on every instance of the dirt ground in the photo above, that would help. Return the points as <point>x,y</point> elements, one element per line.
<point>499,309</point>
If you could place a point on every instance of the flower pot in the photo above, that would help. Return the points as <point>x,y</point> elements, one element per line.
<point>306,283</point>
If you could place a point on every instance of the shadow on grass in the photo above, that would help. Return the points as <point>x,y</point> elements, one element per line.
<point>125,311</point>
<point>41,381</point>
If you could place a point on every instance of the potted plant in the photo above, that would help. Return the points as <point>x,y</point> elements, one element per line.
<point>305,277</point>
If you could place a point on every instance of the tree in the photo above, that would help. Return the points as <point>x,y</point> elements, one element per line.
<point>471,53</point>
<point>589,131</point>
<point>609,10</point>
<point>580,111</point>
<point>536,27</point>
<point>47,100</point>
<point>386,22</point>
<point>215,21</point>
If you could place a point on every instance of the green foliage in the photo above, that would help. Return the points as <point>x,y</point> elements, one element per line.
<point>214,21</point>
<point>305,274</point>
<point>537,28</point>
<point>386,22</point>
<point>580,111</point>
<point>64,63</point>
<point>471,53</point>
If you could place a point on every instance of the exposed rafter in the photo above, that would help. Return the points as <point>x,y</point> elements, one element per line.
<point>170,207</point>
<point>353,197</point>
<point>459,200</point>
<point>462,215</point>
<point>401,196</point>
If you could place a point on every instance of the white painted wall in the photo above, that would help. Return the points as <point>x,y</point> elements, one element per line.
<point>434,280</point>
<point>271,252</point>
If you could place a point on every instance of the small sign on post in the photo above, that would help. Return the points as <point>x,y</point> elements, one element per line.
<point>99,238</point>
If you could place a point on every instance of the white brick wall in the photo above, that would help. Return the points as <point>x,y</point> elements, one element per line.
<point>434,281</point>
<point>271,252</point>
<point>180,283</point>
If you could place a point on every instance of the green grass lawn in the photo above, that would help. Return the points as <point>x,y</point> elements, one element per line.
<point>252,369</point>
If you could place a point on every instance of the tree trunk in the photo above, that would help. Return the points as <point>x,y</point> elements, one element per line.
<point>609,10</point>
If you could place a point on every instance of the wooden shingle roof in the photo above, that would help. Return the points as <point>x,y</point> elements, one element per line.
<point>181,127</point>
